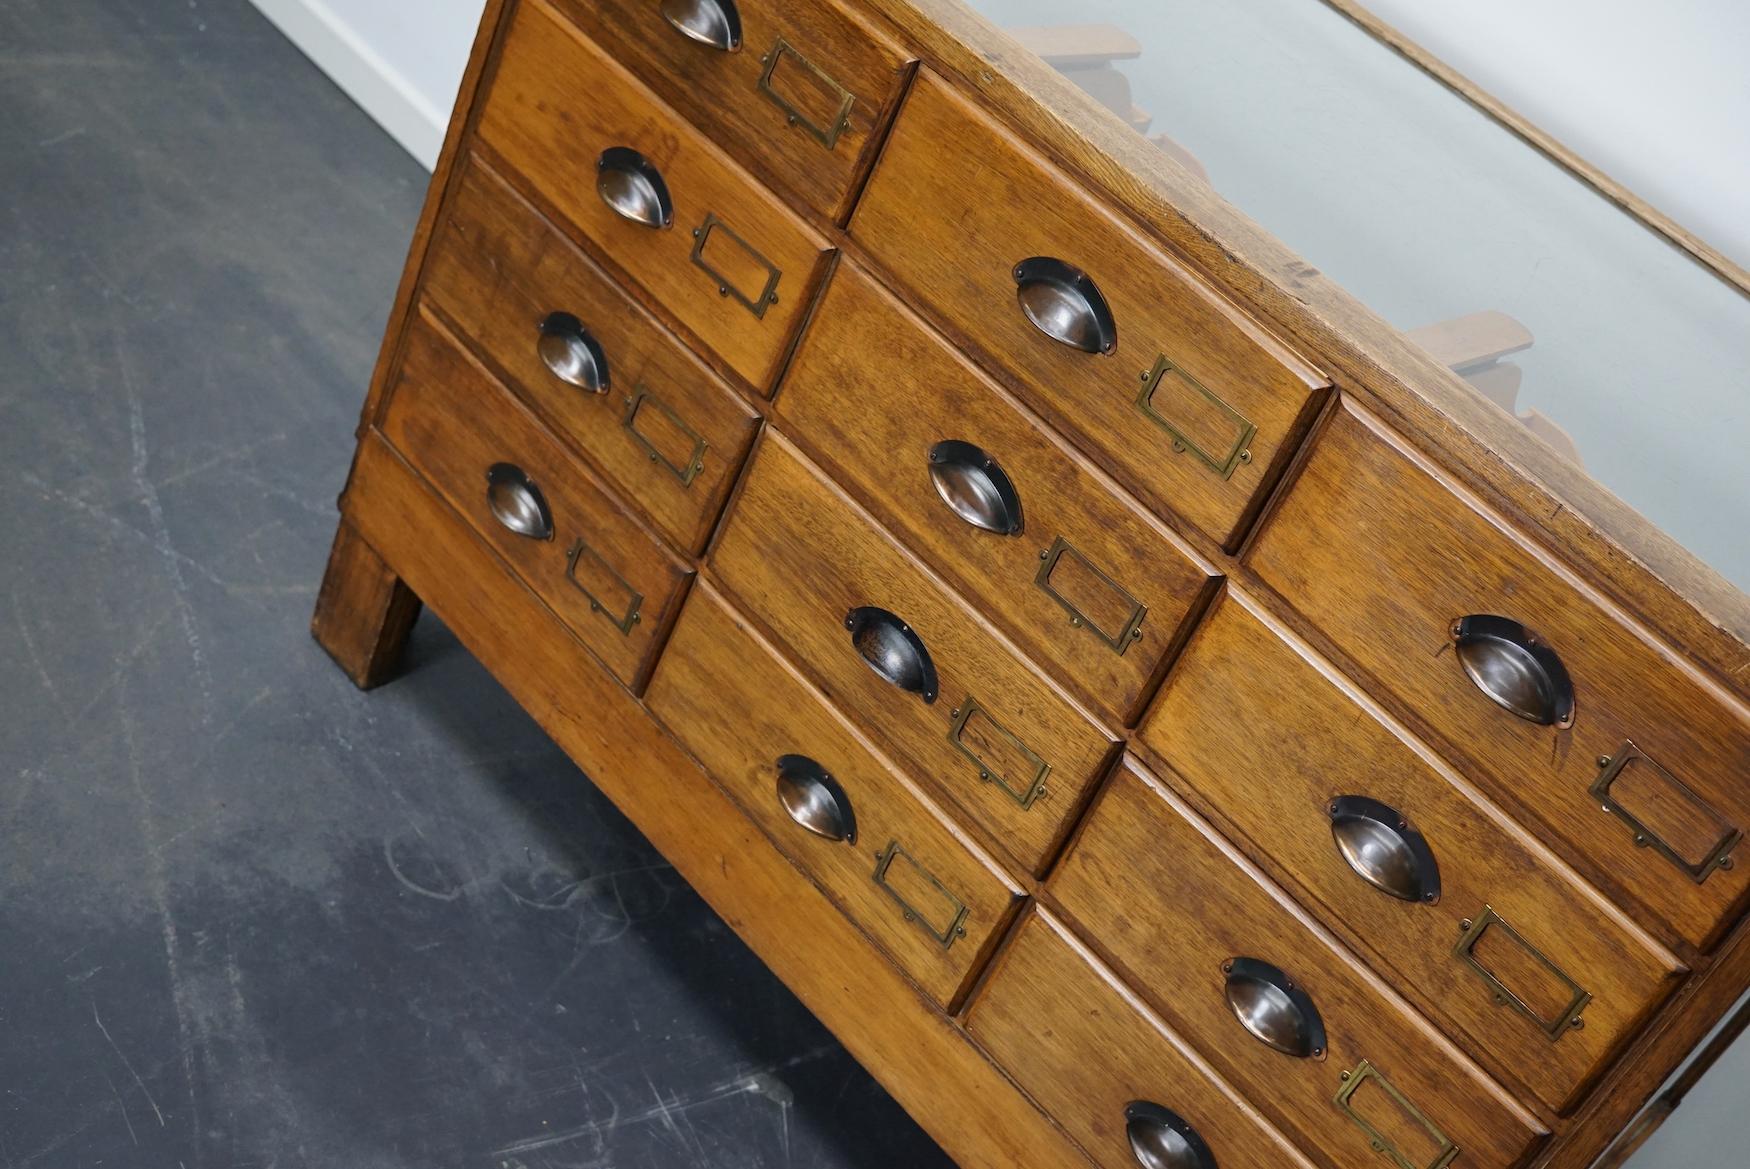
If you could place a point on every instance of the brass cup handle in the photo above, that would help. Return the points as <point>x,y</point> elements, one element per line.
<point>1377,842</point>
<point>1065,304</point>
<point>517,503</point>
<point>713,23</point>
<point>893,650</point>
<point>572,354</point>
<point>1514,668</point>
<point>1162,1139</point>
<point>1273,1009</point>
<point>813,798</point>
<point>975,487</point>
<point>633,188</point>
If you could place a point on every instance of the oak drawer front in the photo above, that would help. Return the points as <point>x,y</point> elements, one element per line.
<point>1532,971</point>
<point>1083,579</point>
<point>1195,408</point>
<point>604,573</point>
<point>840,810</point>
<point>963,711</point>
<point>732,264</point>
<point>1388,559</point>
<point>652,417</point>
<point>1105,1067</point>
<point>802,95</point>
<point>1192,925</point>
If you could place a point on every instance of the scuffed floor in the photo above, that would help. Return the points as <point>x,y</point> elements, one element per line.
<point>249,917</point>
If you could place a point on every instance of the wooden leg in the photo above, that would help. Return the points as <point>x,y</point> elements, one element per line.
<point>363,613</point>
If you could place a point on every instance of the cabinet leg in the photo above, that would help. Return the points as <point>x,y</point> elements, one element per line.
<point>363,613</point>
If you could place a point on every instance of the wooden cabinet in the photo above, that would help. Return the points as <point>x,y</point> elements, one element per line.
<point>1155,712</point>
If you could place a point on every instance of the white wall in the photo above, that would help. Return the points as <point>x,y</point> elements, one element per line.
<point>1656,96</point>
<point>401,60</point>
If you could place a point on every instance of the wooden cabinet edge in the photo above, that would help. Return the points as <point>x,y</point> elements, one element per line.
<point>868,1005</point>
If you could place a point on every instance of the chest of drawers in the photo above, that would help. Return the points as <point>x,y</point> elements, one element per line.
<point>1153,712</point>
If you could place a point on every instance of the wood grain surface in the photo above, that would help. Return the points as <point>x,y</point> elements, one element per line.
<point>1170,902</point>
<point>952,226</point>
<point>538,120</point>
<point>1383,554</point>
<point>497,270</point>
<point>453,422</point>
<point>799,556</point>
<point>1086,1048</point>
<point>866,347</point>
<point>725,692</point>
<point>874,1010</point>
<point>1268,734</point>
<point>722,93</point>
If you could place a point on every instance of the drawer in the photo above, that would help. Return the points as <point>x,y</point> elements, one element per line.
<point>649,415</point>
<point>889,860</point>
<point>718,252</point>
<point>907,660</point>
<point>1082,578</point>
<point>1234,966</point>
<point>1643,777</point>
<point>1186,402</point>
<point>1532,971</point>
<point>802,94</point>
<point>603,572</point>
<point>1105,1067</point>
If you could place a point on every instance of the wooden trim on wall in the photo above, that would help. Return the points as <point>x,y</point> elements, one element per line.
<point>1546,144</point>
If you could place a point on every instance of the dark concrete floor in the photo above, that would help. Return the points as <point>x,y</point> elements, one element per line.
<point>250,917</point>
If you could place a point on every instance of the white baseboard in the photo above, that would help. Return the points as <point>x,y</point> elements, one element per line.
<point>396,104</point>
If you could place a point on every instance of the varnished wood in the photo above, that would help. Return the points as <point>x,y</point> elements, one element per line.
<point>725,692</point>
<point>1383,554</point>
<point>1567,511</point>
<point>1170,902</point>
<point>1086,1047</point>
<point>453,422</point>
<point>951,228</point>
<point>800,556</point>
<point>364,612</point>
<point>820,955</point>
<point>497,270</point>
<point>721,92</point>
<point>1267,734</point>
<point>546,129</point>
<point>866,348</point>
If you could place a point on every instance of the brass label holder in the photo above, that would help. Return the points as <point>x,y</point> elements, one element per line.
<point>827,135</point>
<point>1717,858</point>
<point>623,623</point>
<point>1222,463</point>
<point>1567,1019</point>
<point>892,855</point>
<point>1118,641</point>
<point>756,303</point>
<point>1025,795</point>
<point>694,463</point>
<point>1446,1153</point>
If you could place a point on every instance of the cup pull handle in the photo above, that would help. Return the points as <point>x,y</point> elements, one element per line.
<point>517,503</point>
<point>571,353</point>
<point>633,188</point>
<point>713,23</point>
<point>892,649</point>
<point>1384,850</point>
<point>1162,1139</point>
<point>1515,669</point>
<point>813,798</point>
<point>1273,1009</point>
<point>1065,304</point>
<point>975,487</point>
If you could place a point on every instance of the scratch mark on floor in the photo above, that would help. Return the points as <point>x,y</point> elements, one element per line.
<point>120,1103</point>
<point>145,1091</point>
<point>36,658</point>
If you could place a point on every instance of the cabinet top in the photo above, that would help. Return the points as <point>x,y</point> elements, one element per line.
<point>1504,312</point>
